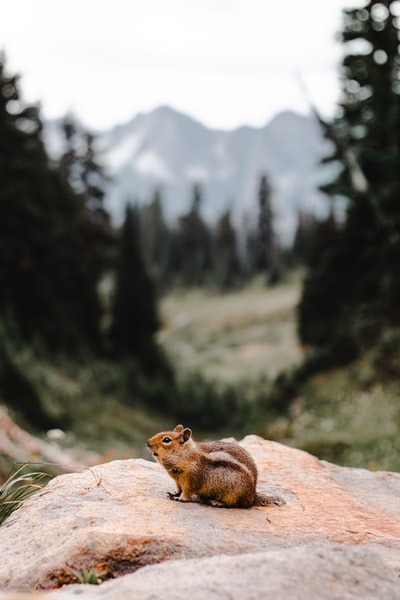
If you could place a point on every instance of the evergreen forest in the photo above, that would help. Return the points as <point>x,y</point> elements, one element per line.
<point>81,349</point>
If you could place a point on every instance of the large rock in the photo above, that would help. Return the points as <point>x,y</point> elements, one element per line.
<point>307,572</point>
<point>339,529</point>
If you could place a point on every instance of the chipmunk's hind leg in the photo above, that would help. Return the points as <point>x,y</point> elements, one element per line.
<point>215,503</point>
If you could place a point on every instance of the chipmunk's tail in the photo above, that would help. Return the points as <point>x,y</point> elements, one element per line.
<point>264,500</point>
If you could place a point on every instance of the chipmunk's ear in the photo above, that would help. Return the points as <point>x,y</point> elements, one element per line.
<point>179,428</point>
<point>187,434</point>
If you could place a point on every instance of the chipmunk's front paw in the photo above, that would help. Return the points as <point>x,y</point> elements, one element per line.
<point>181,497</point>
<point>174,496</point>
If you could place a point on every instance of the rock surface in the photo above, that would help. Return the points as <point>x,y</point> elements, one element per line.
<point>338,536</point>
<point>307,572</point>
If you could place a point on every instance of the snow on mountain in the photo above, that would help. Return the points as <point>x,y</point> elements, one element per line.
<point>170,151</point>
<point>120,154</point>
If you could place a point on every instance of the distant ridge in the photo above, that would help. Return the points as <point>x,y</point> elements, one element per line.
<point>168,150</point>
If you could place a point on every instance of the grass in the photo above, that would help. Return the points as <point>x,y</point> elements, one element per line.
<point>229,337</point>
<point>21,483</point>
<point>344,417</point>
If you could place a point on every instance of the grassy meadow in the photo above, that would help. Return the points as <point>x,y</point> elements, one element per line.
<point>229,337</point>
<point>237,362</point>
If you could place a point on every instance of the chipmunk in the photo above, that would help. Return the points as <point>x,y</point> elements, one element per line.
<point>216,473</point>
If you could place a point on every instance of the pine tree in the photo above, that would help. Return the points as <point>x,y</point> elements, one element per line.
<point>135,319</point>
<point>227,264</point>
<point>86,176</point>
<point>192,245</point>
<point>83,170</point>
<point>265,232</point>
<point>45,288</point>
<point>353,291</point>
<point>262,247</point>
<point>304,239</point>
<point>156,241</point>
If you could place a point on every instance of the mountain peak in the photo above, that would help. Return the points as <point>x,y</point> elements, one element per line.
<point>167,113</point>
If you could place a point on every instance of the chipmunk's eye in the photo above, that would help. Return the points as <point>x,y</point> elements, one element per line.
<point>166,440</point>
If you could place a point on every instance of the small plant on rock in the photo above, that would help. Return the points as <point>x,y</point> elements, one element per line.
<point>93,576</point>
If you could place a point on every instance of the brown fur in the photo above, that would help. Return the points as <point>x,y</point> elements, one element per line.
<point>217,473</point>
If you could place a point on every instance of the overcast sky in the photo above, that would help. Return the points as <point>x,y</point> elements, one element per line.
<point>224,62</point>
